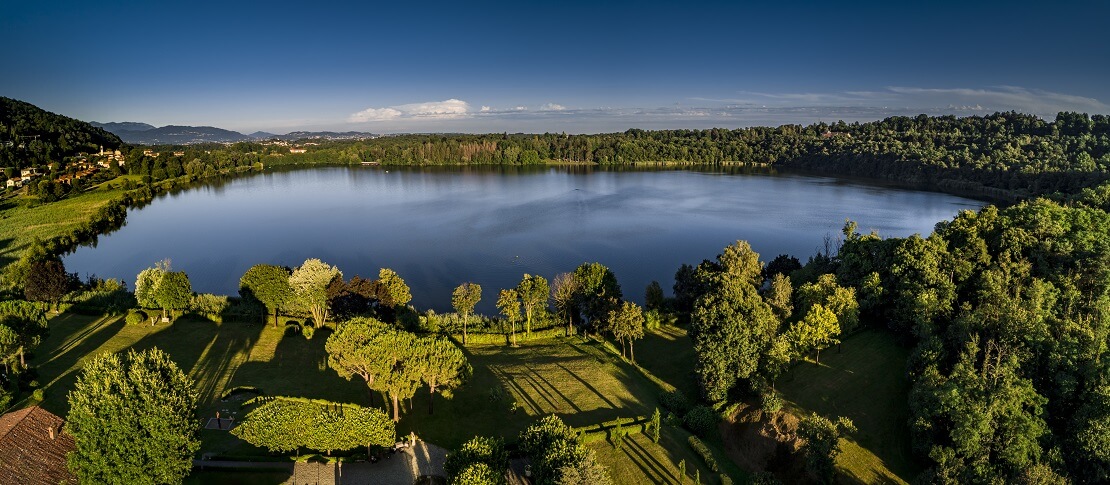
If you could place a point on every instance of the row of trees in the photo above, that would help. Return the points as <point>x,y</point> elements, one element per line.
<point>318,288</point>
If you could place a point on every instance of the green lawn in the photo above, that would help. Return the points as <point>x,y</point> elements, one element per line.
<point>581,381</point>
<point>20,225</point>
<point>866,382</point>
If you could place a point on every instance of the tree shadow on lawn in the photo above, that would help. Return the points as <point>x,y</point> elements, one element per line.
<point>209,353</point>
<point>70,343</point>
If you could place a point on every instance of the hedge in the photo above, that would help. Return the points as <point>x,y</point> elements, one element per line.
<point>703,450</point>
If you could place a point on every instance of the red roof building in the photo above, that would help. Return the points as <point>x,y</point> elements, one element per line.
<point>33,448</point>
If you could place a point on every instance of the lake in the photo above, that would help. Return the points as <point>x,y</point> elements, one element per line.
<point>440,227</point>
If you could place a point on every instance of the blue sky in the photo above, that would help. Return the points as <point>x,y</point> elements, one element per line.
<point>549,66</point>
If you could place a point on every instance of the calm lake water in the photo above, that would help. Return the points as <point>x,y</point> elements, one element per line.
<point>440,227</point>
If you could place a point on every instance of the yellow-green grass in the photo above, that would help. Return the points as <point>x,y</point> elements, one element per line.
<point>581,381</point>
<point>641,461</point>
<point>866,382</point>
<point>20,224</point>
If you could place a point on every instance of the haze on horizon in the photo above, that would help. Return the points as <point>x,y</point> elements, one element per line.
<point>569,66</point>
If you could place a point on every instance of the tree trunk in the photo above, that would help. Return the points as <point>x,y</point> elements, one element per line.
<point>631,352</point>
<point>818,360</point>
<point>464,330</point>
<point>431,394</point>
<point>275,317</point>
<point>22,363</point>
<point>528,324</point>
<point>396,408</point>
<point>514,333</point>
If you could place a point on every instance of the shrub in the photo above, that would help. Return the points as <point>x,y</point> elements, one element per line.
<point>771,402</point>
<point>705,453</point>
<point>38,395</point>
<point>209,306</point>
<point>136,317</point>
<point>725,479</point>
<point>701,420</point>
<point>676,402</point>
<point>308,331</point>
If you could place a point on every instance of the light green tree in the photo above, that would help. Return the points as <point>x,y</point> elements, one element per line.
<point>310,285</point>
<point>509,303</point>
<point>353,350</point>
<point>173,292</point>
<point>445,366</point>
<point>533,291</point>
<point>132,420</point>
<point>816,331</point>
<point>145,284</point>
<point>627,325</point>
<point>464,298</point>
<point>394,292</point>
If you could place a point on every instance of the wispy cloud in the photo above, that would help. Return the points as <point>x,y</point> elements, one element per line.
<point>449,109</point>
<point>552,107</point>
<point>994,98</point>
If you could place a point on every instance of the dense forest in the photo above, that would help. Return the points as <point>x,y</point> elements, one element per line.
<point>30,136</point>
<point>1007,156</point>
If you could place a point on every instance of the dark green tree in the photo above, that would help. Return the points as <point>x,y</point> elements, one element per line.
<point>47,281</point>
<point>269,285</point>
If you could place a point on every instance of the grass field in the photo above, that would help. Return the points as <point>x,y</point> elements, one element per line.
<point>20,225</point>
<point>866,382</point>
<point>581,381</point>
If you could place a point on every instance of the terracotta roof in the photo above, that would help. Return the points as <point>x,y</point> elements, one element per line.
<point>27,453</point>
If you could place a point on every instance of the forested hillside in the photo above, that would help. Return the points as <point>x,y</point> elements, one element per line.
<point>1004,155</point>
<point>31,136</point>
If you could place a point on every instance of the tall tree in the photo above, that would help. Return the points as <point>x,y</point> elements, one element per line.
<point>563,289</point>
<point>464,298</point>
<point>780,296</point>
<point>145,284</point>
<point>132,419</point>
<point>598,292</point>
<point>731,327</point>
<point>739,259</point>
<point>310,285</point>
<point>533,294</point>
<point>509,303</point>
<point>627,325</point>
<point>653,296</point>
<point>444,366</point>
<point>393,290</point>
<point>173,292</point>
<point>400,352</point>
<point>269,285</point>
<point>353,351</point>
<point>47,281</point>
<point>817,330</point>
<point>840,300</point>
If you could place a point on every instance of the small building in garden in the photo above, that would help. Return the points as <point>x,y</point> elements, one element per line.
<point>33,448</point>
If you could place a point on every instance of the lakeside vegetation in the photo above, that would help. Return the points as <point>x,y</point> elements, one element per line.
<point>986,338</point>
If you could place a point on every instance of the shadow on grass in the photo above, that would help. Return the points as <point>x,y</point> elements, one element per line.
<point>647,463</point>
<point>65,355</point>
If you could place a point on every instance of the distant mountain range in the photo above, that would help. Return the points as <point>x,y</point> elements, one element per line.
<point>145,134</point>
